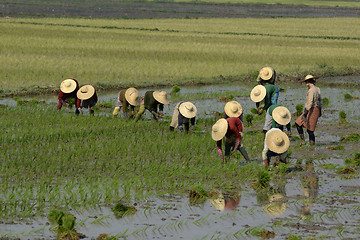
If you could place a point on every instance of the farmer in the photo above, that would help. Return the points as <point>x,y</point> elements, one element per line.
<point>88,97</point>
<point>312,111</point>
<point>265,94</point>
<point>276,144</point>
<point>126,98</point>
<point>233,130</point>
<point>184,114</point>
<point>153,100</point>
<point>234,109</point>
<point>67,95</point>
<point>281,117</point>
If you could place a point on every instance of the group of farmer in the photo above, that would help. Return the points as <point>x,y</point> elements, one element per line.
<point>230,126</point>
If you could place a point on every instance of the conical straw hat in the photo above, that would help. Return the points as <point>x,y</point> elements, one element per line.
<point>266,73</point>
<point>277,141</point>
<point>188,109</point>
<point>309,77</point>
<point>233,109</point>
<point>219,129</point>
<point>68,86</point>
<point>161,97</point>
<point>132,96</point>
<point>258,93</point>
<point>281,115</point>
<point>85,92</point>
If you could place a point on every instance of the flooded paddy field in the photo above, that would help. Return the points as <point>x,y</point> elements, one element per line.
<point>316,196</point>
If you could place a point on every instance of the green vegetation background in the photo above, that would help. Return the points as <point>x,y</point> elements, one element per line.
<point>37,54</point>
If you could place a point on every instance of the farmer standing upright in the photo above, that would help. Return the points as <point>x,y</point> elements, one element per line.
<point>87,95</point>
<point>184,114</point>
<point>266,78</point>
<point>68,90</point>
<point>126,98</point>
<point>312,111</point>
<point>152,101</point>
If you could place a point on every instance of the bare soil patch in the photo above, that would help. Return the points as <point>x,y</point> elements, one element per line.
<point>110,9</point>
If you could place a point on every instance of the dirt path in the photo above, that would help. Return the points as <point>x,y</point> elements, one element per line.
<point>107,9</point>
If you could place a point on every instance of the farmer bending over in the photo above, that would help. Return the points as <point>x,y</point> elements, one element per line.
<point>184,114</point>
<point>88,97</point>
<point>231,128</point>
<point>276,144</point>
<point>67,95</point>
<point>151,101</point>
<point>127,98</point>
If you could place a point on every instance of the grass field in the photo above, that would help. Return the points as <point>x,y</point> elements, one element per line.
<point>37,54</point>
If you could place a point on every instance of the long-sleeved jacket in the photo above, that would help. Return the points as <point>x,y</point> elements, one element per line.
<point>151,104</point>
<point>313,98</point>
<point>235,128</point>
<point>121,101</point>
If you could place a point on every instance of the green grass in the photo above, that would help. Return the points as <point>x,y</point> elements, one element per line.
<point>54,159</point>
<point>37,54</point>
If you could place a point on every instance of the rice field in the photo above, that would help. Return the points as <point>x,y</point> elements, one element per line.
<point>56,160</point>
<point>37,54</point>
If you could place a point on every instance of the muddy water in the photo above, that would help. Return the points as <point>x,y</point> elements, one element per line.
<point>317,202</point>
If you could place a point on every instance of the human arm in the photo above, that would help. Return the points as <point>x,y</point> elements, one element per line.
<point>218,144</point>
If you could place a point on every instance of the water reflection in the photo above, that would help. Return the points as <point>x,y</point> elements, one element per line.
<point>310,188</point>
<point>274,199</point>
<point>225,201</point>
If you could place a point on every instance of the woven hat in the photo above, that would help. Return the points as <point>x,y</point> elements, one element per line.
<point>281,115</point>
<point>219,129</point>
<point>188,109</point>
<point>309,77</point>
<point>275,209</point>
<point>266,73</point>
<point>85,92</point>
<point>68,85</point>
<point>233,109</point>
<point>258,93</point>
<point>277,141</point>
<point>161,97</point>
<point>132,96</point>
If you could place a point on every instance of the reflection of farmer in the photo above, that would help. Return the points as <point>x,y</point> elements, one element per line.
<point>126,98</point>
<point>281,117</point>
<point>276,144</point>
<point>232,129</point>
<point>153,100</point>
<point>227,202</point>
<point>234,109</point>
<point>274,199</point>
<point>312,111</point>
<point>184,114</point>
<point>88,97</point>
<point>265,94</point>
<point>310,188</point>
<point>68,90</point>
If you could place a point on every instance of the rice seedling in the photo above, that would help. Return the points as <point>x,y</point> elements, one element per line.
<point>342,116</point>
<point>174,90</point>
<point>105,236</point>
<point>64,225</point>
<point>338,147</point>
<point>198,195</point>
<point>120,210</point>
<point>293,237</point>
<point>299,109</point>
<point>325,102</point>
<point>249,120</point>
<point>353,137</point>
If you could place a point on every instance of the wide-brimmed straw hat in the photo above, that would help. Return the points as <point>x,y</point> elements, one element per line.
<point>132,96</point>
<point>281,115</point>
<point>68,85</point>
<point>309,77</point>
<point>233,109</point>
<point>275,209</point>
<point>161,97</point>
<point>258,93</point>
<point>277,141</point>
<point>85,92</point>
<point>219,129</point>
<point>266,73</point>
<point>188,109</point>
